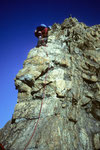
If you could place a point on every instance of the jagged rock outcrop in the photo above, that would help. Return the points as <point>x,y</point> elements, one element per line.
<point>69,69</point>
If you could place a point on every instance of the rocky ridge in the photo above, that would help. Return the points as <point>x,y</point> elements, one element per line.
<point>69,68</point>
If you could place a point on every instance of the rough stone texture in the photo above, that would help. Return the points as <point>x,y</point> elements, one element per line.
<point>70,117</point>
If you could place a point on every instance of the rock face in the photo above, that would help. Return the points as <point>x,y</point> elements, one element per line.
<point>67,75</point>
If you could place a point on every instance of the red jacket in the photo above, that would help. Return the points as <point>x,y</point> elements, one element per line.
<point>45,32</point>
<point>1,147</point>
<point>41,31</point>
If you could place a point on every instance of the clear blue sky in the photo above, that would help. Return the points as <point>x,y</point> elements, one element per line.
<point>18,20</point>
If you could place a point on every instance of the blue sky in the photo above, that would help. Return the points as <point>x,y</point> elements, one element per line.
<point>18,20</point>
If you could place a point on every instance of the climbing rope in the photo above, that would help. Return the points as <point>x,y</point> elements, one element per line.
<point>40,109</point>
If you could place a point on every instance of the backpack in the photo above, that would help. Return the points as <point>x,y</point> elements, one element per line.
<point>39,28</point>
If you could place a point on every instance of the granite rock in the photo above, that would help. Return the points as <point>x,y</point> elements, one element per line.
<point>65,75</point>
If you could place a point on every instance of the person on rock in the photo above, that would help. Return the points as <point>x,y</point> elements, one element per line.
<point>1,147</point>
<point>41,33</point>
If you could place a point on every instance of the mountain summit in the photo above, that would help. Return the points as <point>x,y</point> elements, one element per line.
<point>58,105</point>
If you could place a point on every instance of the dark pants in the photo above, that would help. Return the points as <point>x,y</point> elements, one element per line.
<point>42,42</point>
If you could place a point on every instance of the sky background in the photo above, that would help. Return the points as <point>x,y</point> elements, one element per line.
<point>18,20</point>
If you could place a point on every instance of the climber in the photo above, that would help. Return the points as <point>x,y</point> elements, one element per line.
<point>1,147</point>
<point>42,34</point>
